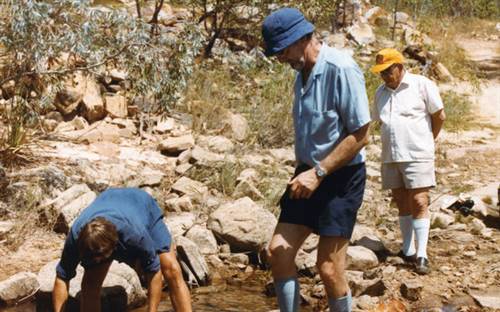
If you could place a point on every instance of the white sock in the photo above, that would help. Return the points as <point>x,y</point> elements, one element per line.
<point>421,227</point>
<point>406,226</point>
<point>288,293</point>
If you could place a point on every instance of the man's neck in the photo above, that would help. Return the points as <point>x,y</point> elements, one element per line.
<point>311,56</point>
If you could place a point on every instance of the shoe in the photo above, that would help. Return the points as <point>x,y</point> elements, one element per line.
<point>422,266</point>
<point>408,259</point>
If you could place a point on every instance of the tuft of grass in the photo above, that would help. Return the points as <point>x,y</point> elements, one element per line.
<point>458,112</point>
<point>263,94</point>
<point>221,176</point>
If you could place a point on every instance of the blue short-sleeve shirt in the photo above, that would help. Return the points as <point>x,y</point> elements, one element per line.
<point>331,105</point>
<point>135,215</point>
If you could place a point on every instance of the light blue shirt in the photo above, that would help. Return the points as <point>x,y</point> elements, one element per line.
<point>331,105</point>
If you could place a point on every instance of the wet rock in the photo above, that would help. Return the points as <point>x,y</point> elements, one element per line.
<point>236,126</point>
<point>411,290</point>
<point>487,299</point>
<point>192,188</point>
<point>70,211</point>
<point>243,224</point>
<point>17,287</point>
<point>92,102</point>
<point>204,239</point>
<point>121,288</point>
<point>179,223</point>
<point>441,220</point>
<point>176,145</point>
<point>361,33</point>
<point>360,258</point>
<point>116,106</point>
<point>284,155</point>
<point>190,254</point>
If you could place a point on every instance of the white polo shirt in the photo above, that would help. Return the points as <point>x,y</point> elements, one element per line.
<point>405,115</point>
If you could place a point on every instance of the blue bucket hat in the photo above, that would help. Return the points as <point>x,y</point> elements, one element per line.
<point>284,27</point>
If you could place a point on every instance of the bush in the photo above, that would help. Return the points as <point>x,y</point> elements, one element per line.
<point>43,43</point>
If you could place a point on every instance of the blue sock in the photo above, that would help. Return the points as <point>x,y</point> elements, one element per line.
<point>342,304</point>
<point>288,293</point>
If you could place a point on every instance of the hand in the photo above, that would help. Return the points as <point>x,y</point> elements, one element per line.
<point>304,185</point>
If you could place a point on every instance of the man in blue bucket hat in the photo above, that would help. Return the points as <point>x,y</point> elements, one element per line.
<point>331,121</point>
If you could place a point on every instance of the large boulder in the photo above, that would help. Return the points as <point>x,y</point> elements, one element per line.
<point>243,224</point>
<point>17,287</point>
<point>121,288</point>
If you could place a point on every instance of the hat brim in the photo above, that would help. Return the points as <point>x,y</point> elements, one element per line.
<point>381,67</point>
<point>285,40</point>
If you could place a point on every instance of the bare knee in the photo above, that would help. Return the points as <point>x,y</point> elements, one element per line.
<point>420,204</point>
<point>331,272</point>
<point>170,268</point>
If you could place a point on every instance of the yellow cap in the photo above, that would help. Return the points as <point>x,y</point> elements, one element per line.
<point>385,58</point>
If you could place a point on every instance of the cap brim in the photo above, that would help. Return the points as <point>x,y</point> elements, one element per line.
<point>381,67</point>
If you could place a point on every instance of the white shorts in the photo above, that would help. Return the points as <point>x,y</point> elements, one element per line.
<point>410,175</point>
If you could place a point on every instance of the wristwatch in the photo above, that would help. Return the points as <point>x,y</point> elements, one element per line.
<point>320,172</point>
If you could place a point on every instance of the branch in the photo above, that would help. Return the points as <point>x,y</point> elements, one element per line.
<point>67,70</point>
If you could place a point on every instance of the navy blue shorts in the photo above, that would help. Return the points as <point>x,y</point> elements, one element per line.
<point>333,207</point>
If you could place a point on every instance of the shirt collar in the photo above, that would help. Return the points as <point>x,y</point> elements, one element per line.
<point>319,68</point>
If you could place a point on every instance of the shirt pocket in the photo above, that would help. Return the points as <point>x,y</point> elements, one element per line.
<point>323,125</point>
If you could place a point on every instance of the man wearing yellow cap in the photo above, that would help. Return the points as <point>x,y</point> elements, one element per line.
<point>411,114</point>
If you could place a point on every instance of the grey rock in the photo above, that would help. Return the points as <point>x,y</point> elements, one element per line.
<point>179,223</point>
<point>71,211</point>
<point>204,239</point>
<point>361,258</point>
<point>243,224</point>
<point>217,144</point>
<point>487,299</point>
<point>189,253</point>
<point>236,126</point>
<point>306,262</point>
<point>165,125</point>
<point>192,188</point>
<point>441,220</point>
<point>176,145</point>
<point>121,288</point>
<point>116,106</point>
<point>204,157</point>
<point>179,204</point>
<point>17,287</point>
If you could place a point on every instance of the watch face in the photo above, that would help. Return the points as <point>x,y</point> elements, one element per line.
<point>320,172</point>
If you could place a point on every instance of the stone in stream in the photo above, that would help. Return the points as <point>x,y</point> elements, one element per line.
<point>121,290</point>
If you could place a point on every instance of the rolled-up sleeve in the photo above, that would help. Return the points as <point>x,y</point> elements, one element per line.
<point>353,101</point>
<point>66,268</point>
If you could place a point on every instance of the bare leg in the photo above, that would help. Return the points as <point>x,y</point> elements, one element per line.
<point>90,300</point>
<point>178,290</point>
<point>331,264</point>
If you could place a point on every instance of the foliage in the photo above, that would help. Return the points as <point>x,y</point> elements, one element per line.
<point>443,8</point>
<point>42,43</point>
<point>261,92</point>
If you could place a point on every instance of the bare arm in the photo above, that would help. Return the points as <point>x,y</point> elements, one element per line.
<point>303,185</point>
<point>60,294</point>
<point>93,278</point>
<point>154,290</point>
<point>437,120</point>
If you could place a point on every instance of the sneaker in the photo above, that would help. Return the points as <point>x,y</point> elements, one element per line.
<point>408,259</point>
<point>422,266</point>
